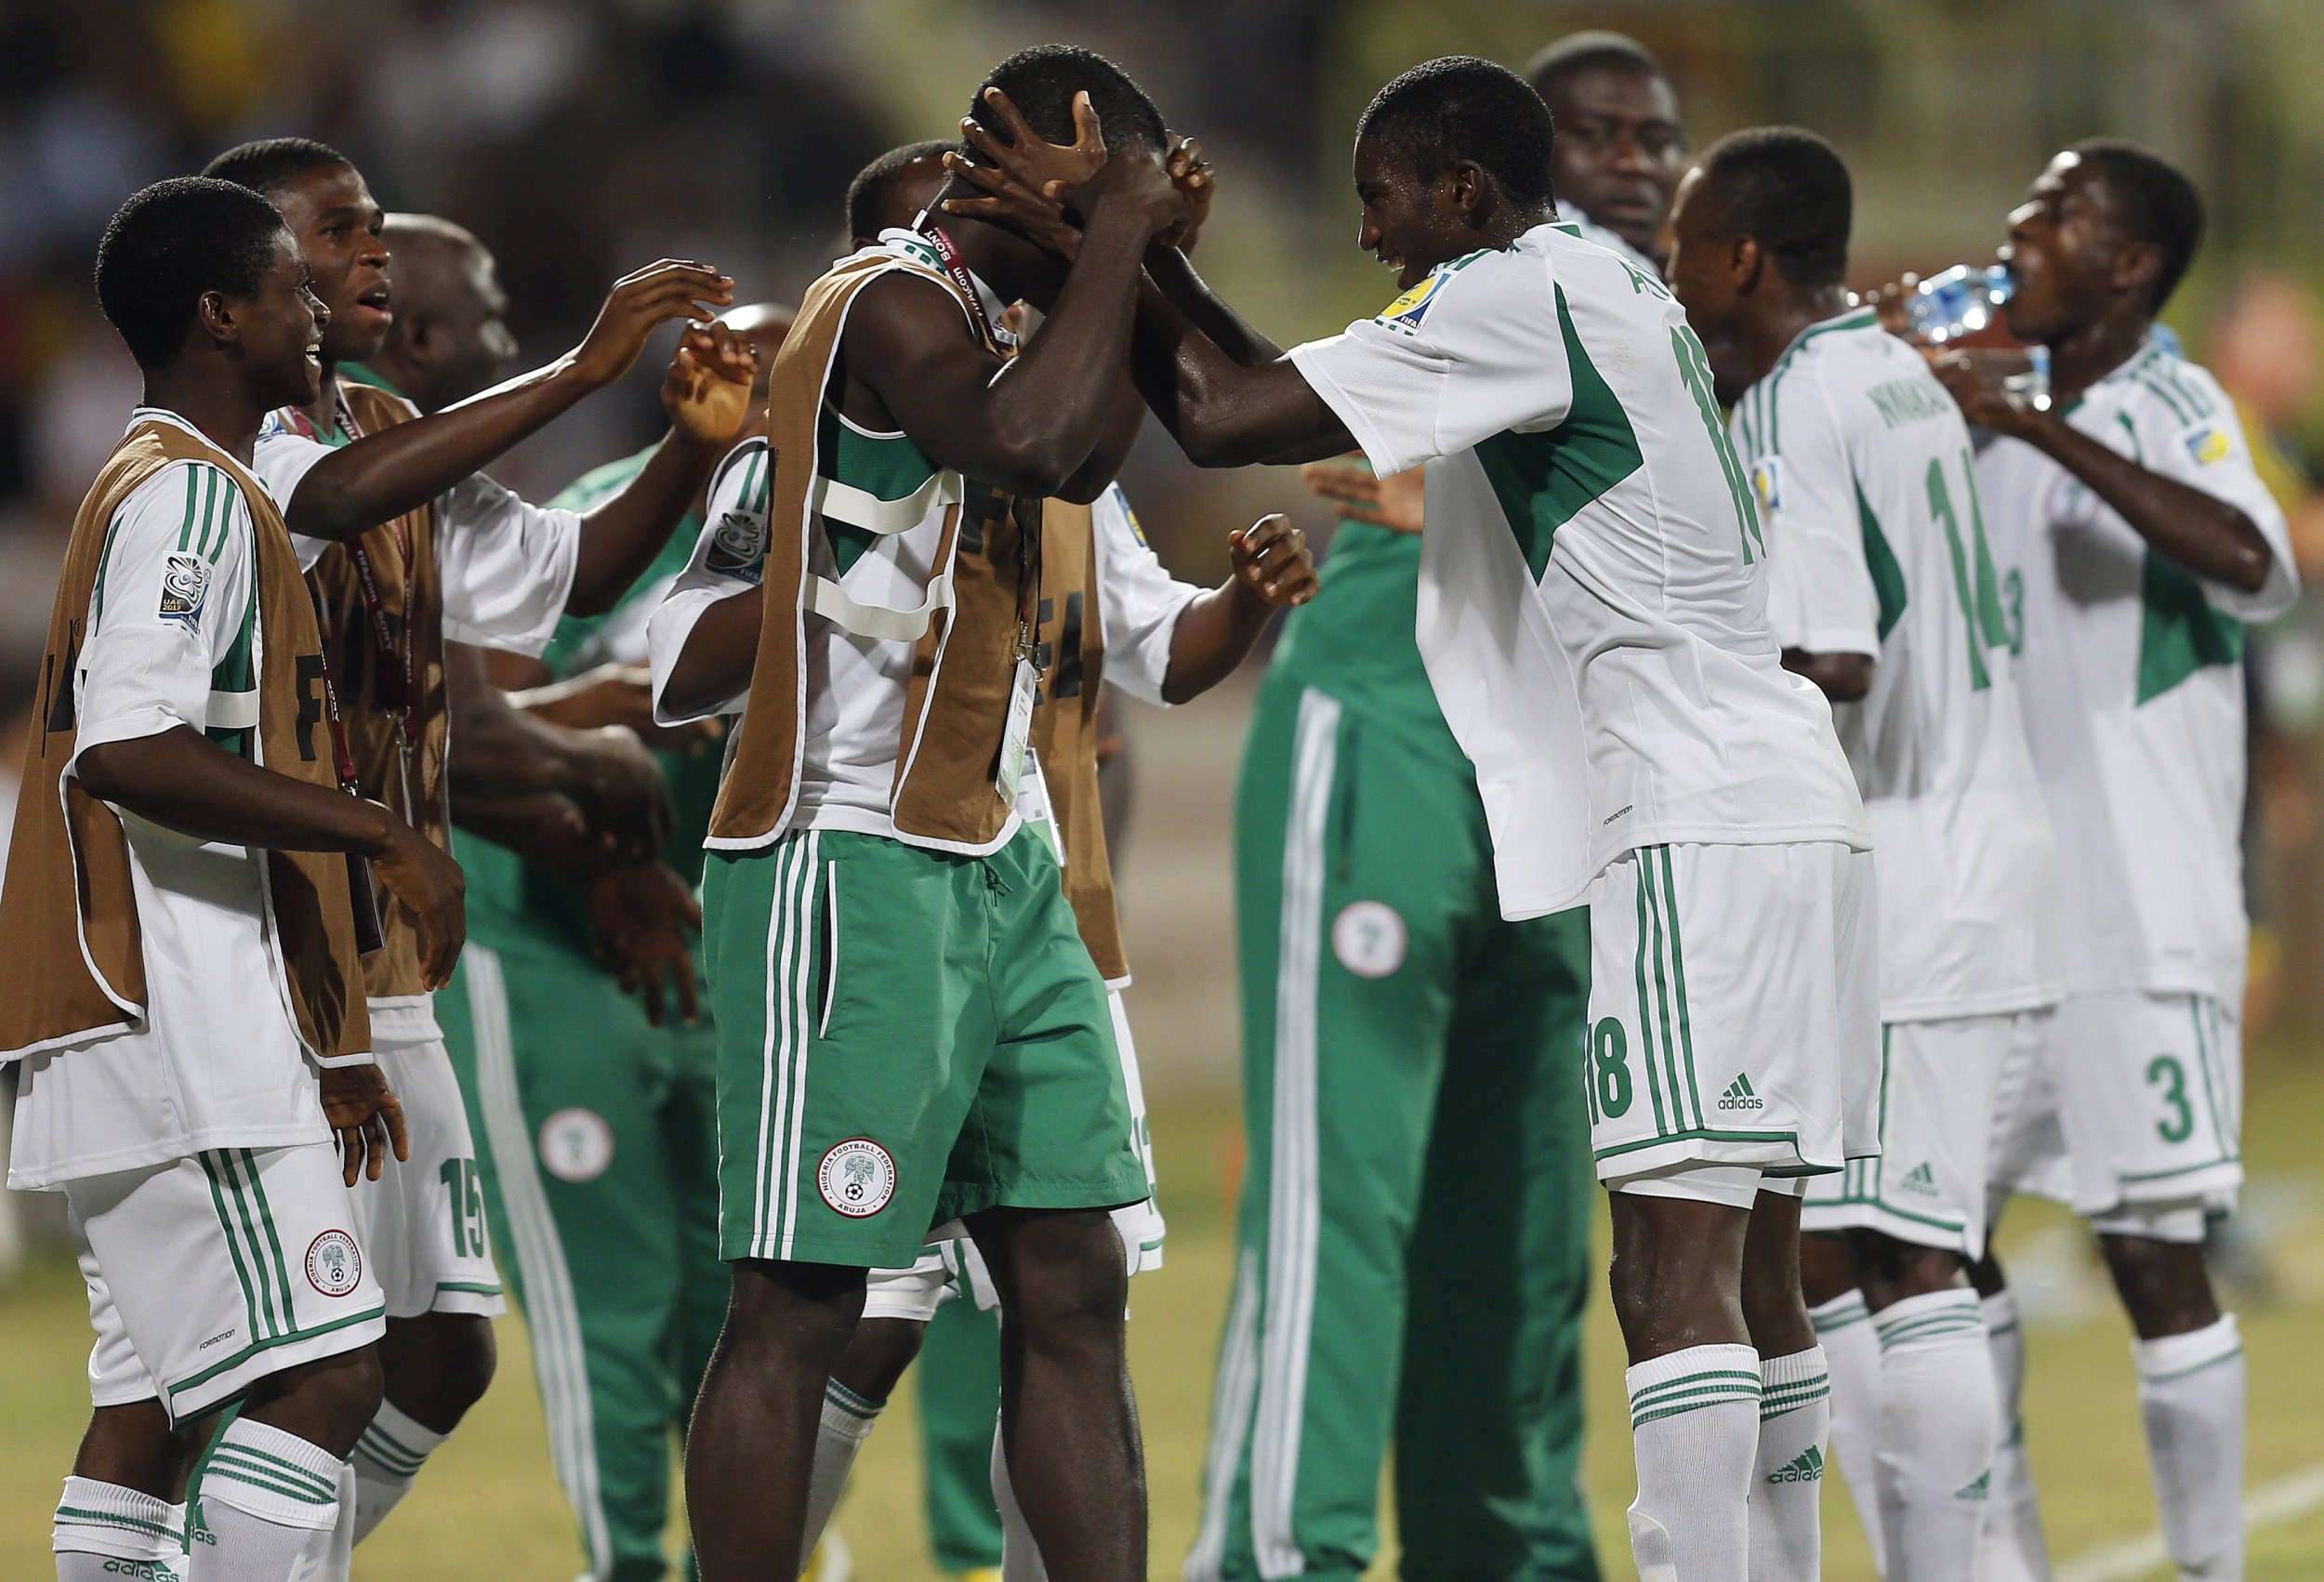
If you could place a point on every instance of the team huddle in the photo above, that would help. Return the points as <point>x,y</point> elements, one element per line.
<point>1801,775</point>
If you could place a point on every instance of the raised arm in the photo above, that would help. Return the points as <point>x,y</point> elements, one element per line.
<point>1272,571</point>
<point>386,474</point>
<point>2198,532</point>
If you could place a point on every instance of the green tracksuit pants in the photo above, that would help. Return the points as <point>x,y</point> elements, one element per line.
<point>1413,1237</point>
<point>597,1140</point>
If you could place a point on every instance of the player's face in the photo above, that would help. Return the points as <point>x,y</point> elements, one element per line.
<point>2063,242</point>
<point>479,346</point>
<point>331,213</point>
<point>282,326</point>
<point>1411,224</point>
<point>1703,276</point>
<point>1620,151</point>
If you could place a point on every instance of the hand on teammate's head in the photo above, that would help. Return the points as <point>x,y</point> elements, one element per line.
<point>1197,183</point>
<point>1270,559</point>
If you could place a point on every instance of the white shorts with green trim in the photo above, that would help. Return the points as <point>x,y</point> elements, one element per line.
<point>2142,1095</point>
<point>208,1275</point>
<point>423,1221</point>
<point>1938,1084</point>
<point>1734,1010</point>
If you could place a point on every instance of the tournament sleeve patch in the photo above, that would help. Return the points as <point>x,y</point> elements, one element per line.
<point>1406,313</point>
<point>1767,483</point>
<point>185,590</point>
<point>738,546</point>
<point>1137,529</point>
<point>2208,442</point>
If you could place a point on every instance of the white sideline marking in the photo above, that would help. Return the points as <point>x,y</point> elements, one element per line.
<point>2286,1499</point>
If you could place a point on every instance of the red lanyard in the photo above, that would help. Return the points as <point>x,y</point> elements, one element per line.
<point>1028,539</point>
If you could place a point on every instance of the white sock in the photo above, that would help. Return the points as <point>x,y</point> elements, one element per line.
<point>100,1524</point>
<point>1694,1419</point>
<point>1938,1429</point>
<point>1843,1327</point>
<point>2190,1396</point>
<point>387,1461</point>
<point>2011,1549</point>
<point>1019,1556</point>
<point>270,1500</point>
<point>1788,1475</point>
<point>846,1423</point>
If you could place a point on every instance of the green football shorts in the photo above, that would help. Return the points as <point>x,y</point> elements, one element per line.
<point>904,1037</point>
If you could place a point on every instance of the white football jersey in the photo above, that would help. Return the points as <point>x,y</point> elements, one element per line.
<point>855,694</point>
<point>2131,675</point>
<point>1876,545</point>
<point>1592,610</point>
<point>174,640</point>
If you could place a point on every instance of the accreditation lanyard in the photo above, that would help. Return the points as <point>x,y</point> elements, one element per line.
<point>1028,535</point>
<point>392,661</point>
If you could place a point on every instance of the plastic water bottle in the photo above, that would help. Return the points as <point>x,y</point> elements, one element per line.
<point>1961,302</point>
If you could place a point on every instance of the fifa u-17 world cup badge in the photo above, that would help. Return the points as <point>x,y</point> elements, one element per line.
<point>185,588</point>
<point>2208,442</point>
<point>1404,315</point>
<point>1767,483</point>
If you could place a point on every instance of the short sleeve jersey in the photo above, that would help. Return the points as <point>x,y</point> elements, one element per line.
<point>174,641</point>
<point>1592,611</point>
<point>1139,605</point>
<point>2133,679</point>
<point>505,565</point>
<point>1877,545</point>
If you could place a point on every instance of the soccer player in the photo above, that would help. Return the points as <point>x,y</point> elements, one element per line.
<point>1884,591</point>
<point>407,545</point>
<point>910,1028</point>
<point>1488,1397</point>
<point>2146,543</point>
<point>1620,147</point>
<point>1158,639</point>
<point>179,981</point>
<point>1593,618</point>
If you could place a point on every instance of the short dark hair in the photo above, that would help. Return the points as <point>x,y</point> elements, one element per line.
<point>1041,82</point>
<point>2158,206</point>
<point>271,165</point>
<point>1786,189</point>
<point>1586,51</point>
<point>1459,107</point>
<point>871,202</point>
<point>171,243</point>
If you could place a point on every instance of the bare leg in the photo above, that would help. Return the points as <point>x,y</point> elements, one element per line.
<point>750,1451</point>
<point>1068,1422</point>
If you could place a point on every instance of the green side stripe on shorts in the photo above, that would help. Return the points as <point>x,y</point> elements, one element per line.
<point>266,1215</point>
<point>2204,1053</point>
<point>1645,1017</point>
<point>182,1385</point>
<point>113,1519</point>
<point>271,1298</point>
<point>1662,994</point>
<point>1678,977</point>
<point>233,1246</point>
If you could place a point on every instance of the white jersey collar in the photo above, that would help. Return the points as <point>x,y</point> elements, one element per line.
<point>141,414</point>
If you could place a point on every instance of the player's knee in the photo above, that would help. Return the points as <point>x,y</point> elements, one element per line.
<point>328,1401</point>
<point>805,1311</point>
<point>2165,1286</point>
<point>470,1358</point>
<point>1894,1270</point>
<point>1065,1277</point>
<point>876,1358</point>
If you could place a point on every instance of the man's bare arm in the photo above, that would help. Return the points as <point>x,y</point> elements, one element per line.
<point>383,475</point>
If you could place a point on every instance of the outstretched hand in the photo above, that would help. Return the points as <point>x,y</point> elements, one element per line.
<point>706,390</point>
<point>637,305</point>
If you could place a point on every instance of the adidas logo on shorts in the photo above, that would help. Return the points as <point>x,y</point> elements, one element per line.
<point>1807,1467</point>
<point>1740,1096</point>
<point>1978,1490</point>
<point>1923,1180</point>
